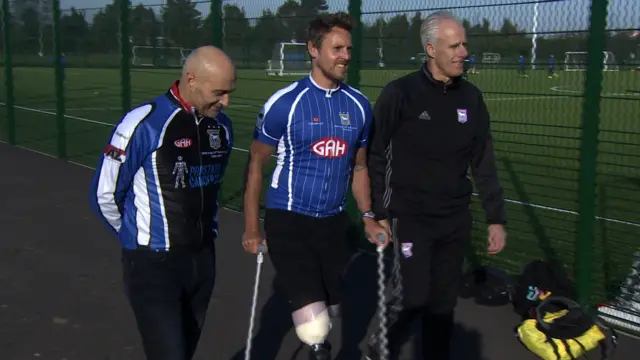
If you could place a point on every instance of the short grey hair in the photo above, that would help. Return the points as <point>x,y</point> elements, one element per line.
<point>430,26</point>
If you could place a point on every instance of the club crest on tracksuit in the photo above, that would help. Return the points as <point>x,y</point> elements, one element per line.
<point>406,248</point>
<point>462,116</point>
<point>214,138</point>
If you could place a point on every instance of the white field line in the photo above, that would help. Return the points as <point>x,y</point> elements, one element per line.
<point>537,206</point>
<point>244,106</point>
<point>84,119</point>
<point>563,89</point>
<point>232,106</point>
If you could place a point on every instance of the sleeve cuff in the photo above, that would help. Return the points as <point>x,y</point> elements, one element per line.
<point>267,139</point>
<point>496,222</point>
<point>381,215</point>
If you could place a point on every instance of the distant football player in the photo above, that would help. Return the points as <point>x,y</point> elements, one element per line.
<point>552,67</point>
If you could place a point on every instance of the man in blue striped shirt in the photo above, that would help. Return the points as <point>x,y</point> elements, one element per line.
<point>318,127</point>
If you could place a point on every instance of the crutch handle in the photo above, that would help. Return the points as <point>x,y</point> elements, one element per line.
<point>262,249</point>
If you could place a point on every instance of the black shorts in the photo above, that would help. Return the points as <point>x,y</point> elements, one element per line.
<point>309,255</point>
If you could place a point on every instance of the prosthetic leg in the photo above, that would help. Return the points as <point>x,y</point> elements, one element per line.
<point>312,324</point>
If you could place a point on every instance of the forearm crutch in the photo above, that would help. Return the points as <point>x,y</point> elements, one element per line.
<point>262,249</point>
<point>382,306</point>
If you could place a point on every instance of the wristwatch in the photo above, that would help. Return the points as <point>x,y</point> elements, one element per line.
<point>369,214</point>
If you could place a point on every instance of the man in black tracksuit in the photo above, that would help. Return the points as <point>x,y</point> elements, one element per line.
<point>429,127</point>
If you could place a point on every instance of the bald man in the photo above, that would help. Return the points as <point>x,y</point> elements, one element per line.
<point>156,188</point>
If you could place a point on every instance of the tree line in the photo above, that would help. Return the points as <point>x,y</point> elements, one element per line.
<point>393,39</point>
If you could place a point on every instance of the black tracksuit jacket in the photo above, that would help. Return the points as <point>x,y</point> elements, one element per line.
<point>425,136</point>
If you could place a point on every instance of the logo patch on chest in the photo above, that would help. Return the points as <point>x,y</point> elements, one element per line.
<point>214,138</point>
<point>183,143</point>
<point>344,119</point>
<point>406,249</point>
<point>330,147</point>
<point>462,116</point>
<point>180,169</point>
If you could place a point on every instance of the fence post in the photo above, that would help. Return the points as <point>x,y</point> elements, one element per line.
<point>353,76</point>
<point>125,56</point>
<point>589,148</point>
<point>59,79</point>
<point>8,72</point>
<point>154,43</point>
<point>217,24</point>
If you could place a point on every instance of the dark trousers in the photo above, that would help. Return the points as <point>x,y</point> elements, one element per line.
<point>428,269</point>
<point>169,293</point>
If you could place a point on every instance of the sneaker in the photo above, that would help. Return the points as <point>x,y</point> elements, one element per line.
<point>320,352</point>
<point>372,353</point>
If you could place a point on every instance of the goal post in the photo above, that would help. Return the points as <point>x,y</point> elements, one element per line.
<point>490,58</point>
<point>289,58</point>
<point>577,61</point>
<point>158,56</point>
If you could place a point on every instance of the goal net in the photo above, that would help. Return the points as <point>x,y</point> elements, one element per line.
<point>490,58</point>
<point>159,56</point>
<point>577,61</point>
<point>289,58</point>
<point>45,18</point>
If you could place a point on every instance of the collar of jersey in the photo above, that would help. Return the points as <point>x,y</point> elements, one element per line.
<point>327,92</point>
<point>175,94</point>
<point>453,82</point>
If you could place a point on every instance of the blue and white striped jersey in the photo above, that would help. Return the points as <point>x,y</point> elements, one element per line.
<point>317,133</point>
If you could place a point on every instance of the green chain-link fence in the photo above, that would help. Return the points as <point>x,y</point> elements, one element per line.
<point>559,77</point>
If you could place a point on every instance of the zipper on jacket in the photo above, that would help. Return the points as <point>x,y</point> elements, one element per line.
<point>201,188</point>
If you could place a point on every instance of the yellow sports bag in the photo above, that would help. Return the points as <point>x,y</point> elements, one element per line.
<point>565,334</point>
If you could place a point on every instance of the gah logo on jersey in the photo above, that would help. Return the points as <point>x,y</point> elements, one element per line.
<point>330,147</point>
<point>183,143</point>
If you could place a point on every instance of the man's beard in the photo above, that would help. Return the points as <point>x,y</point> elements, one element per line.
<point>331,75</point>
